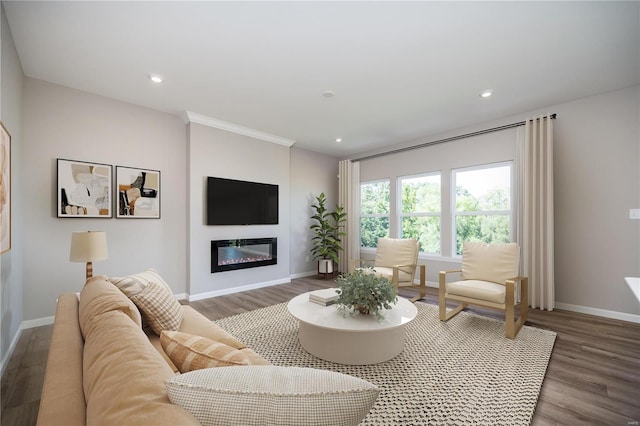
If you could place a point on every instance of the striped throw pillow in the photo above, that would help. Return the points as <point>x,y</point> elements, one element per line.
<point>190,352</point>
<point>134,284</point>
<point>160,309</point>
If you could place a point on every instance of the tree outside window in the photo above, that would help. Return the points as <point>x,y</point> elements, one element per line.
<point>374,212</point>
<point>483,207</point>
<point>420,210</point>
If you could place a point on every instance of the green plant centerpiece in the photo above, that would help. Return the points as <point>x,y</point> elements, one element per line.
<point>364,292</point>
<point>326,243</point>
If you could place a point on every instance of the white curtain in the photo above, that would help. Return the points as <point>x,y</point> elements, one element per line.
<point>349,199</point>
<point>535,208</point>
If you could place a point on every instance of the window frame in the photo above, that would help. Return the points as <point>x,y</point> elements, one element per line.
<point>400,213</point>
<point>374,215</point>
<point>453,200</point>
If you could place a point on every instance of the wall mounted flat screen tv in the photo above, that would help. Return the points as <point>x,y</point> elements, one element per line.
<point>237,202</point>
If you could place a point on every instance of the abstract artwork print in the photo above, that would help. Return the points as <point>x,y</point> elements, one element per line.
<point>138,193</point>
<point>84,189</point>
<point>5,189</point>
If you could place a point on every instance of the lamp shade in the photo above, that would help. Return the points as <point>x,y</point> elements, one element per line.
<point>88,246</point>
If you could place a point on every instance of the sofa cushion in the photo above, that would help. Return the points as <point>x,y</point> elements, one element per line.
<point>194,322</point>
<point>99,296</point>
<point>135,283</point>
<point>490,262</point>
<point>272,395</point>
<point>123,376</point>
<point>159,307</point>
<point>190,352</point>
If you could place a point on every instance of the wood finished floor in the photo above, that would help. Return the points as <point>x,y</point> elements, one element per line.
<point>593,377</point>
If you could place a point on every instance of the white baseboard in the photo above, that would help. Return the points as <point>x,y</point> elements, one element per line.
<point>432,284</point>
<point>180,296</point>
<point>303,274</point>
<point>200,296</point>
<point>7,356</point>
<point>38,322</point>
<point>599,312</point>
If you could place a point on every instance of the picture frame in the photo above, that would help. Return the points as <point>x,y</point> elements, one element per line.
<point>84,189</point>
<point>5,189</point>
<point>138,193</point>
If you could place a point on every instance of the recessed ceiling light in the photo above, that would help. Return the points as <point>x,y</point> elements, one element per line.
<point>328,94</point>
<point>486,93</point>
<point>338,140</point>
<point>155,78</point>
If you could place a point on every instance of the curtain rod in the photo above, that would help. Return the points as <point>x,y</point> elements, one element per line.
<point>453,138</point>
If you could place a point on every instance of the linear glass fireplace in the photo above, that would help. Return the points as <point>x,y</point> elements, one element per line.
<point>228,255</point>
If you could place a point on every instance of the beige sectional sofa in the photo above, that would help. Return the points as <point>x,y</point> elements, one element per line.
<point>104,369</point>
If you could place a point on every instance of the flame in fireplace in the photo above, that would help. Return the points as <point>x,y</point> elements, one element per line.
<point>243,260</point>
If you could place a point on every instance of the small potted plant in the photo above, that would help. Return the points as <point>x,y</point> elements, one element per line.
<point>326,244</point>
<point>364,292</point>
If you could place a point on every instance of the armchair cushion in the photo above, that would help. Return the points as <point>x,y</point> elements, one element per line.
<point>476,289</point>
<point>387,273</point>
<point>393,251</point>
<point>490,262</point>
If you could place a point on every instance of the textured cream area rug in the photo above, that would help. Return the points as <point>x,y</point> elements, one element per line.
<point>463,371</point>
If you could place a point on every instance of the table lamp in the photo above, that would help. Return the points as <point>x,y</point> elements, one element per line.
<point>88,247</point>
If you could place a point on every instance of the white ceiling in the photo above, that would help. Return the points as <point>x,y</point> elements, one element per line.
<point>399,70</point>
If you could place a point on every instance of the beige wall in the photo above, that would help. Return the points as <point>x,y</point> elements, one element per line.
<point>11,308</point>
<point>70,124</point>
<point>597,181</point>
<point>311,174</point>
<point>218,153</point>
<point>64,123</point>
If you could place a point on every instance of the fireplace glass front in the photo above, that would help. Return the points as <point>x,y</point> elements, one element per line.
<point>229,255</point>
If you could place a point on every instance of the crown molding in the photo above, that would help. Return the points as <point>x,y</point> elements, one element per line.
<point>194,117</point>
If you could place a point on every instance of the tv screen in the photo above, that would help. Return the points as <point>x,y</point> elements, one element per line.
<point>236,202</point>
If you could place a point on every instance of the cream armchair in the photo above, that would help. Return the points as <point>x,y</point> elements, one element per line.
<point>489,277</point>
<point>397,260</point>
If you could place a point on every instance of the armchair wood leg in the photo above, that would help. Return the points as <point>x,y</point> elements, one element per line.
<point>423,285</point>
<point>509,312</point>
<point>442,301</point>
<point>524,309</point>
<point>513,327</point>
<point>447,315</point>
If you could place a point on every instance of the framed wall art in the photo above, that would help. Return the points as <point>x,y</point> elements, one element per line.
<point>84,189</point>
<point>5,189</point>
<point>138,193</point>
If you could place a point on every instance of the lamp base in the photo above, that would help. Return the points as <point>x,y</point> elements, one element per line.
<point>89,270</point>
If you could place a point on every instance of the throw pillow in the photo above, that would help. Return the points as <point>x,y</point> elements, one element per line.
<point>160,309</point>
<point>272,395</point>
<point>189,352</point>
<point>134,284</point>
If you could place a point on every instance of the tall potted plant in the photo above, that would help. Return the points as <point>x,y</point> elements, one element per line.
<point>326,244</point>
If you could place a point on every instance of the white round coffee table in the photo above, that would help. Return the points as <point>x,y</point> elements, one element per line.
<point>359,340</point>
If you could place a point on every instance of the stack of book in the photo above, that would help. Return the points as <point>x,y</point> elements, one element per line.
<point>325,297</point>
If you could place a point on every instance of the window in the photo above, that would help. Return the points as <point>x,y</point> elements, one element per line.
<point>482,203</point>
<point>374,212</point>
<point>420,210</point>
